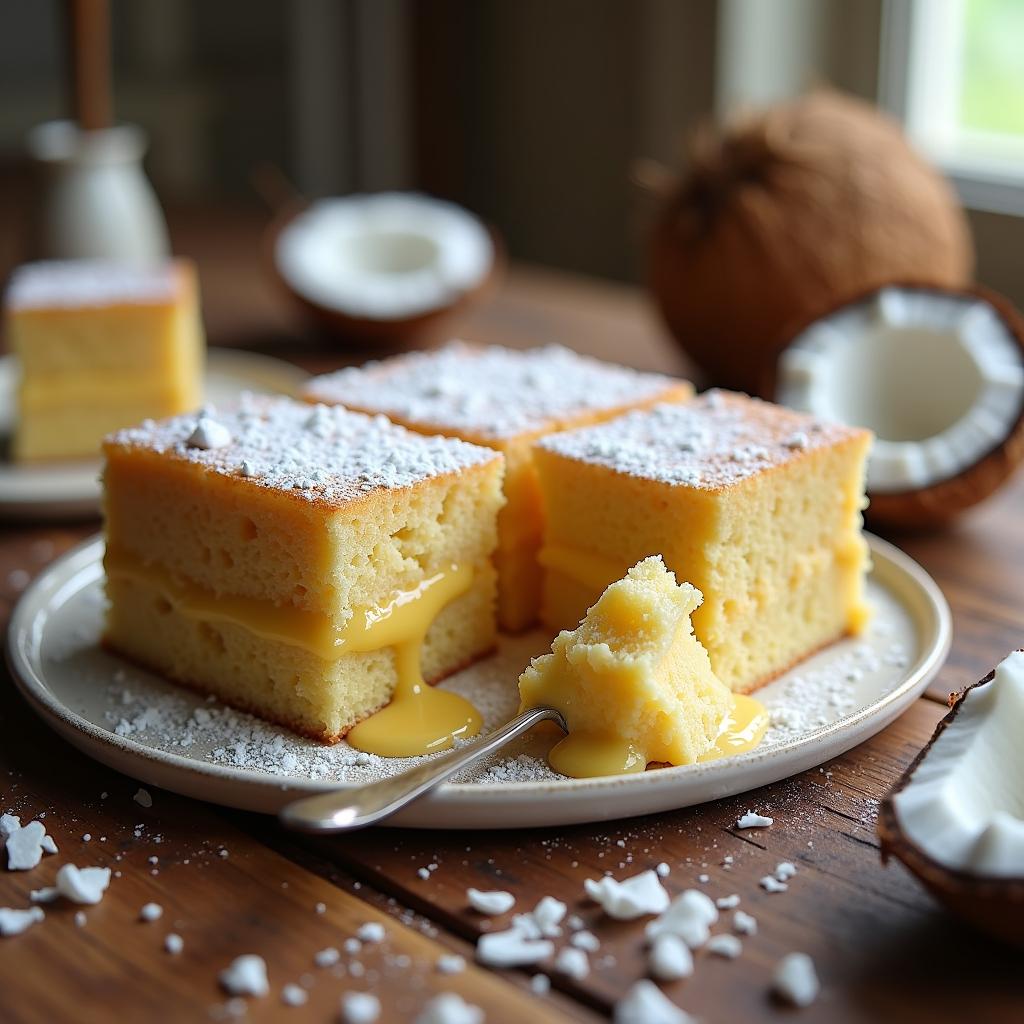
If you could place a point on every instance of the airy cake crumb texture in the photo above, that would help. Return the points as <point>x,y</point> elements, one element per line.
<point>633,668</point>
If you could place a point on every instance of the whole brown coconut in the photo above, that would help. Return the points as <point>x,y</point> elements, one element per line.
<point>784,215</point>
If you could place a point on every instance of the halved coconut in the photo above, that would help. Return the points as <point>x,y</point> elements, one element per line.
<point>384,267</point>
<point>956,818</point>
<point>937,374</point>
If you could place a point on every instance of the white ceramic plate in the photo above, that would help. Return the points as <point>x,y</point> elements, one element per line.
<point>69,490</point>
<point>152,730</point>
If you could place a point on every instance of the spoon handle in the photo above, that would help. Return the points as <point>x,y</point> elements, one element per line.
<point>343,810</point>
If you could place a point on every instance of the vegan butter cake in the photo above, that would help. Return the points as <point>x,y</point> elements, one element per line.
<point>503,399</point>
<point>305,563</point>
<point>634,684</point>
<point>757,506</point>
<point>100,346</point>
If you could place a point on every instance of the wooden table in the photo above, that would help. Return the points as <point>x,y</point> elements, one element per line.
<point>233,883</point>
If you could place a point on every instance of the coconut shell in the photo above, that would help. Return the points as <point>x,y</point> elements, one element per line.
<point>423,330</point>
<point>995,905</point>
<point>941,503</point>
<point>784,215</point>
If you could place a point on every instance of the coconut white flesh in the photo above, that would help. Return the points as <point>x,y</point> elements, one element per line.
<point>386,256</point>
<point>964,805</point>
<point>938,378</point>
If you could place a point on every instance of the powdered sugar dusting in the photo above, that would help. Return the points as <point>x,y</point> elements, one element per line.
<point>74,284</point>
<point>717,440</point>
<point>142,707</point>
<point>490,392</point>
<point>320,453</point>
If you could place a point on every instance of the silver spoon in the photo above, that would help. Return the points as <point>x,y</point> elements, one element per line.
<point>343,810</point>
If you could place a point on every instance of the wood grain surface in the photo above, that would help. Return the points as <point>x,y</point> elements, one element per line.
<point>883,949</point>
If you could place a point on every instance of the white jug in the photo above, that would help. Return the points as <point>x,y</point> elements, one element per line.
<point>96,200</point>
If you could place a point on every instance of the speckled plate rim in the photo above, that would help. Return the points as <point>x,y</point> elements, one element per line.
<point>509,805</point>
<point>70,490</point>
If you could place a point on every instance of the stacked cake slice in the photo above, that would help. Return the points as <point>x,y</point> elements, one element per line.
<point>265,554</point>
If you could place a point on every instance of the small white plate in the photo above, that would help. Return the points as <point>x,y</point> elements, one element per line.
<point>147,728</point>
<point>70,490</point>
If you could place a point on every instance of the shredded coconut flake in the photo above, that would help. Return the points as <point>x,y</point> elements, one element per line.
<point>753,820</point>
<point>636,896</point>
<point>724,945</point>
<point>450,1008</point>
<point>246,976</point>
<point>645,1003</point>
<point>744,923</point>
<point>151,912</point>
<point>494,902</point>
<point>511,949</point>
<point>359,1008</point>
<point>795,980</point>
<point>670,958</point>
<point>82,885</point>
<point>14,922</point>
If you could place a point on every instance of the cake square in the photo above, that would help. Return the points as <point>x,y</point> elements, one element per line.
<point>267,553</point>
<point>757,506</point>
<point>503,399</point>
<point>100,346</point>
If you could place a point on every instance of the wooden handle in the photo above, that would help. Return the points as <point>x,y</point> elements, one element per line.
<point>88,23</point>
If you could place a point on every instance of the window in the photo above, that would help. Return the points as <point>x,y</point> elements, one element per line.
<point>953,71</point>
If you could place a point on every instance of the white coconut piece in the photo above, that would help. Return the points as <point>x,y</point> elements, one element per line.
<point>25,846</point>
<point>751,819</point>
<point>389,256</point>
<point>670,958</point>
<point>494,902</point>
<point>964,804</point>
<point>938,377</point>
<point>14,922</point>
<point>689,917</point>
<point>744,923</point>
<point>724,945</point>
<point>246,976</point>
<point>82,885</point>
<point>359,1008</point>
<point>642,894</point>
<point>573,963</point>
<point>645,1003</point>
<point>511,948</point>
<point>151,912</point>
<point>547,915</point>
<point>450,1008</point>
<point>795,981</point>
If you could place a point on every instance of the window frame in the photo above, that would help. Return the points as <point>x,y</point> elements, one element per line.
<point>983,183</point>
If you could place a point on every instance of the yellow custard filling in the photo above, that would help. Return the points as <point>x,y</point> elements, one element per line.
<point>582,755</point>
<point>418,720</point>
<point>636,687</point>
